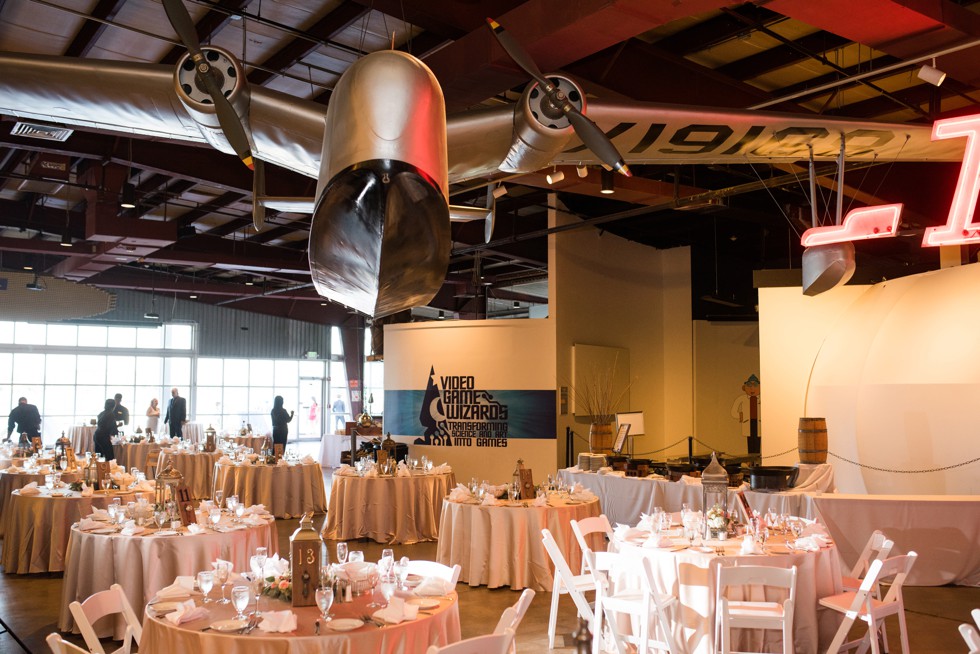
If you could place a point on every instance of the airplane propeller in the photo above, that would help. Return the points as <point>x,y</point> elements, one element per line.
<point>593,137</point>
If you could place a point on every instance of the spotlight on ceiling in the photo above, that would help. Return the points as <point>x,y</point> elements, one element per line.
<point>582,171</point>
<point>151,315</point>
<point>128,198</point>
<point>193,296</point>
<point>931,74</point>
<point>555,176</point>
<point>66,238</point>
<point>499,191</point>
<point>36,285</point>
<point>606,177</point>
<point>442,315</point>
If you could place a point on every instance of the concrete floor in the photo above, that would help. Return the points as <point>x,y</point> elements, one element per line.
<point>29,605</point>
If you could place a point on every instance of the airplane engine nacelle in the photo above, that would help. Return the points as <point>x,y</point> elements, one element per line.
<point>380,240</point>
<point>196,99</point>
<point>541,130</point>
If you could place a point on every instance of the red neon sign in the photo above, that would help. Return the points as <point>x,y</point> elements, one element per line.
<point>879,221</point>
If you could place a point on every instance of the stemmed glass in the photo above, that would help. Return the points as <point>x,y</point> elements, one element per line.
<point>387,559</point>
<point>159,517</point>
<point>239,597</point>
<point>219,497</point>
<point>221,576</point>
<point>324,600</point>
<point>63,464</point>
<point>261,556</point>
<point>388,585</point>
<point>205,581</point>
<point>239,511</point>
<point>214,515</point>
<point>355,556</point>
<point>341,552</point>
<point>374,576</point>
<point>401,570</point>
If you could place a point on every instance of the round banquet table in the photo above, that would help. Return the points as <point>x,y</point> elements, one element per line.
<point>192,432</point>
<point>691,574</point>
<point>15,461</point>
<point>254,442</point>
<point>402,510</point>
<point>285,490</point>
<point>36,527</point>
<point>144,563</point>
<point>133,455</point>
<point>83,438</point>
<point>501,545</point>
<point>438,627</point>
<point>197,468</point>
<point>11,481</point>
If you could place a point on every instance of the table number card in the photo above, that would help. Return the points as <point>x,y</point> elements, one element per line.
<point>70,457</point>
<point>277,450</point>
<point>382,456</point>
<point>36,443</point>
<point>102,469</point>
<point>527,484</point>
<point>186,505</point>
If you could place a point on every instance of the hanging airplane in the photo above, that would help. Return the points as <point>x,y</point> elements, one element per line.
<point>384,152</point>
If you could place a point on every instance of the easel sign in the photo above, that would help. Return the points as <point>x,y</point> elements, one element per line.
<point>70,458</point>
<point>624,431</point>
<point>185,506</point>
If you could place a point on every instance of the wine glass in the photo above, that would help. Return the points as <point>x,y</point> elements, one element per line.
<point>239,598</point>
<point>387,559</point>
<point>221,576</point>
<point>159,517</point>
<point>111,512</point>
<point>324,600</point>
<point>205,581</point>
<point>772,518</point>
<point>388,584</point>
<point>355,556</point>
<point>261,556</point>
<point>214,515</point>
<point>341,552</point>
<point>106,484</point>
<point>239,511</point>
<point>401,571</point>
<point>63,464</point>
<point>219,497</point>
<point>373,577</point>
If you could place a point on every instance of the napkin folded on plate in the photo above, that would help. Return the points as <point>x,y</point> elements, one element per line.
<point>490,500</point>
<point>690,481</point>
<point>181,587</point>
<point>30,489</point>
<point>646,522</point>
<point>123,479</point>
<point>15,469</point>
<point>658,540</point>
<point>98,514</point>
<point>88,491</point>
<point>282,463</point>
<point>147,486</point>
<point>195,529</point>
<point>574,468</point>
<point>811,543</point>
<point>403,470</point>
<point>187,612</point>
<point>257,509</point>
<point>397,611</point>
<point>345,471</point>
<point>274,566</point>
<point>433,587</point>
<point>253,521</point>
<point>130,528</point>
<point>225,461</point>
<point>815,529</point>
<point>372,473</point>
<point>308,459</point>
<point>625,532</point>
<point>86,524</point>
<point>44,470</point>
<point>583,496</point>
<point>459,494</point>
<point>231,566</point>
<point>443,469</point>
<point>278,622</point>
<point>540,500</point>
<point>749,546</point>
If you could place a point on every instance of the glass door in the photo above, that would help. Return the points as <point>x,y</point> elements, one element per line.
<point>311,410</point>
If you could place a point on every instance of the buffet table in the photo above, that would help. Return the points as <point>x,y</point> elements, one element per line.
<point>501,545</point>
<point>392,510</point>
<point>943,529</point>
<point>624,499</point>
<point>144,563</point>
<point>37,527</point>
<point>286,490</point>
<point>197,468</point>
<point>436,626</point>
<point>133,455</point>
<point>82,438</point>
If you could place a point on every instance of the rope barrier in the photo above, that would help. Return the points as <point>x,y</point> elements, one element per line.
<point>662,448</point>
<point>903,472</point>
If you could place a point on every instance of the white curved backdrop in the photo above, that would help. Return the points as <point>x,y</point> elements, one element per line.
<point>895,370</point>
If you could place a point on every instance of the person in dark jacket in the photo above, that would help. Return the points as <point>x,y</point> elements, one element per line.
<point>27,419</point>
<point>176,414</point>
<point>105,429</point>
<point>280,420</point>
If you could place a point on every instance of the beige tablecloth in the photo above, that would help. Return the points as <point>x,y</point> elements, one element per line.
<point>9,482</point>
<point>441,627</point>
<point>391,510</point>
<point>501,545</point>
<point>254,442</point>
<point>286,491</point>
<point>145,563</point>
<point>197,468</point>
<point>944,530</point>
<point>134,454</point>
<point>691,576</point>
<point>83,439</point>
<point>36,528</point>
<point>192,431</point>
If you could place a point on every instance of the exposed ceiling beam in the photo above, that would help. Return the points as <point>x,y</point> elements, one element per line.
<point>91,30</point>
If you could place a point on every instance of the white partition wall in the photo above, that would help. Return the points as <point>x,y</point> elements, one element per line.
<point>477,394</point>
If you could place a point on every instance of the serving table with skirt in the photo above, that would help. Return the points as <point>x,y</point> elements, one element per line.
<point>501,545</point>
<point>146,562</point>
<point>197,468</point>
<point>438,625</point>
<point>286,490</point>
<point>402,510</point>
<point>37,527</point>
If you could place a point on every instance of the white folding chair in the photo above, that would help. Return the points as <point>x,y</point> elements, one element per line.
<point>877,547</point>
<point>750,614</point>
<point>512,615</point>
<point>971,637</point>
<point>59,645</point>
<point>490,644</point>
<point>566,583</point>
<point>862,605</point>
<point>586,527</point>
<point>642,604</point>
<point>99,605</point>
<point>449,574</point>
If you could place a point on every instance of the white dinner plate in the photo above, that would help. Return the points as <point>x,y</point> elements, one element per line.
<point>229,625</point>
<point>424,602</point>
<point>344,624</point>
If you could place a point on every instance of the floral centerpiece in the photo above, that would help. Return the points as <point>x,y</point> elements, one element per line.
<point>717,522</point>
<point>280,587</point>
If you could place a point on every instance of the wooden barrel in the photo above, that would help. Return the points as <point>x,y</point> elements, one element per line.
<point>813,440</point>
<point>601,437</point>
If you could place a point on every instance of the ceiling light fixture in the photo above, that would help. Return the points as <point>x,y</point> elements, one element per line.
<point>36,285</point>
<point>193,296</point>
<point>582,171</point>
<point>66,238</point>
<point>128,198</point>
<point>442,315</point>
<point>499,191</point>
<point>608,185</point>
<point>555,176</point>
<point>28,267</point>
<point>931,74</point>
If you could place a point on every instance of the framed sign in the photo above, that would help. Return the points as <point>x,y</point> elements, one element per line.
<point>743,502</point>
<point>36,443</point>
<point>624,430</point>
<point>305,558</point>
<point>527,484</point>
<point>70,457</point>
<point>277,450</point>
<point>185,505</point>
<point>102,472</point>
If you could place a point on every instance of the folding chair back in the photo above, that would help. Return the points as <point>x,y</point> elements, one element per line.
<point>588,526</point>
<point>877,547</point>
<point>755,614</point>
<point>491,644</point>
<point>565,583</point>
<point>449,574</point>
<point>59,645</point>
<point>99,605</point>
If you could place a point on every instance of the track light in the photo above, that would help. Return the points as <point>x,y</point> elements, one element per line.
<point>555,176</point>
<point>499,191</point>
<point>128,199</point>
<point>931,74</point>
<point>606,176</point>
<point>66,238</point>
<point>36,285</point>
<point>442,315</point>
<point>582,171</point>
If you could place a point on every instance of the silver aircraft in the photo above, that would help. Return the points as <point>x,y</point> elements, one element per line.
<point>384,153</point>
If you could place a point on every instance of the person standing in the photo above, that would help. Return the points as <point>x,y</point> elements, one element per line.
<point>121,412</point>
<point>176,414</point>
<point>105,429</point>
<point>153,415</point>
<point>280,420</point>
<point>27,419</point>
<point>339,409</point>
<point>745,409</point>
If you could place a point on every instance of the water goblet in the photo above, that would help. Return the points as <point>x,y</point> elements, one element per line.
<point>355,556</point>
<point>214,515</point>
<point>239,511</point>
<point>388,585</point>
<point>324,600</point>
<point>341,552</point>
<point>205,581</point>
<point>239,598</point>
<point>159,517</point>
<point>387,557</point>
<point>221,576</point>
<point>261,556</point>
<point>401,571</point>
<point>772,518</point>
<point>63,464</point>
<point>373,577</point>
<point>219,498</point>
<point>111,512</point>
<point>106,484</point>
<point>49,482</point>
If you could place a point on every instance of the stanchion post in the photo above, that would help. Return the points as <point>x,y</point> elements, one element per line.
<point>690,450</point>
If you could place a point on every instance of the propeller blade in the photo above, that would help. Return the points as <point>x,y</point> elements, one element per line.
<point>258,194</point>
<point>231,123</point>
<point>181,21</point>
<point>488,222</point>
<point>597,141</point>
<point>517,53</point>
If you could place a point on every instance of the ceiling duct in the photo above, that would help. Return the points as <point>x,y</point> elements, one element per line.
<point>39,131</point>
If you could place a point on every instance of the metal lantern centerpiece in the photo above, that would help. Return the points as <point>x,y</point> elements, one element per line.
<point>211,439</point>
<point>61,447</point>
<point>305,552</point>
<point>714,500</point>
<point>168,480</point>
